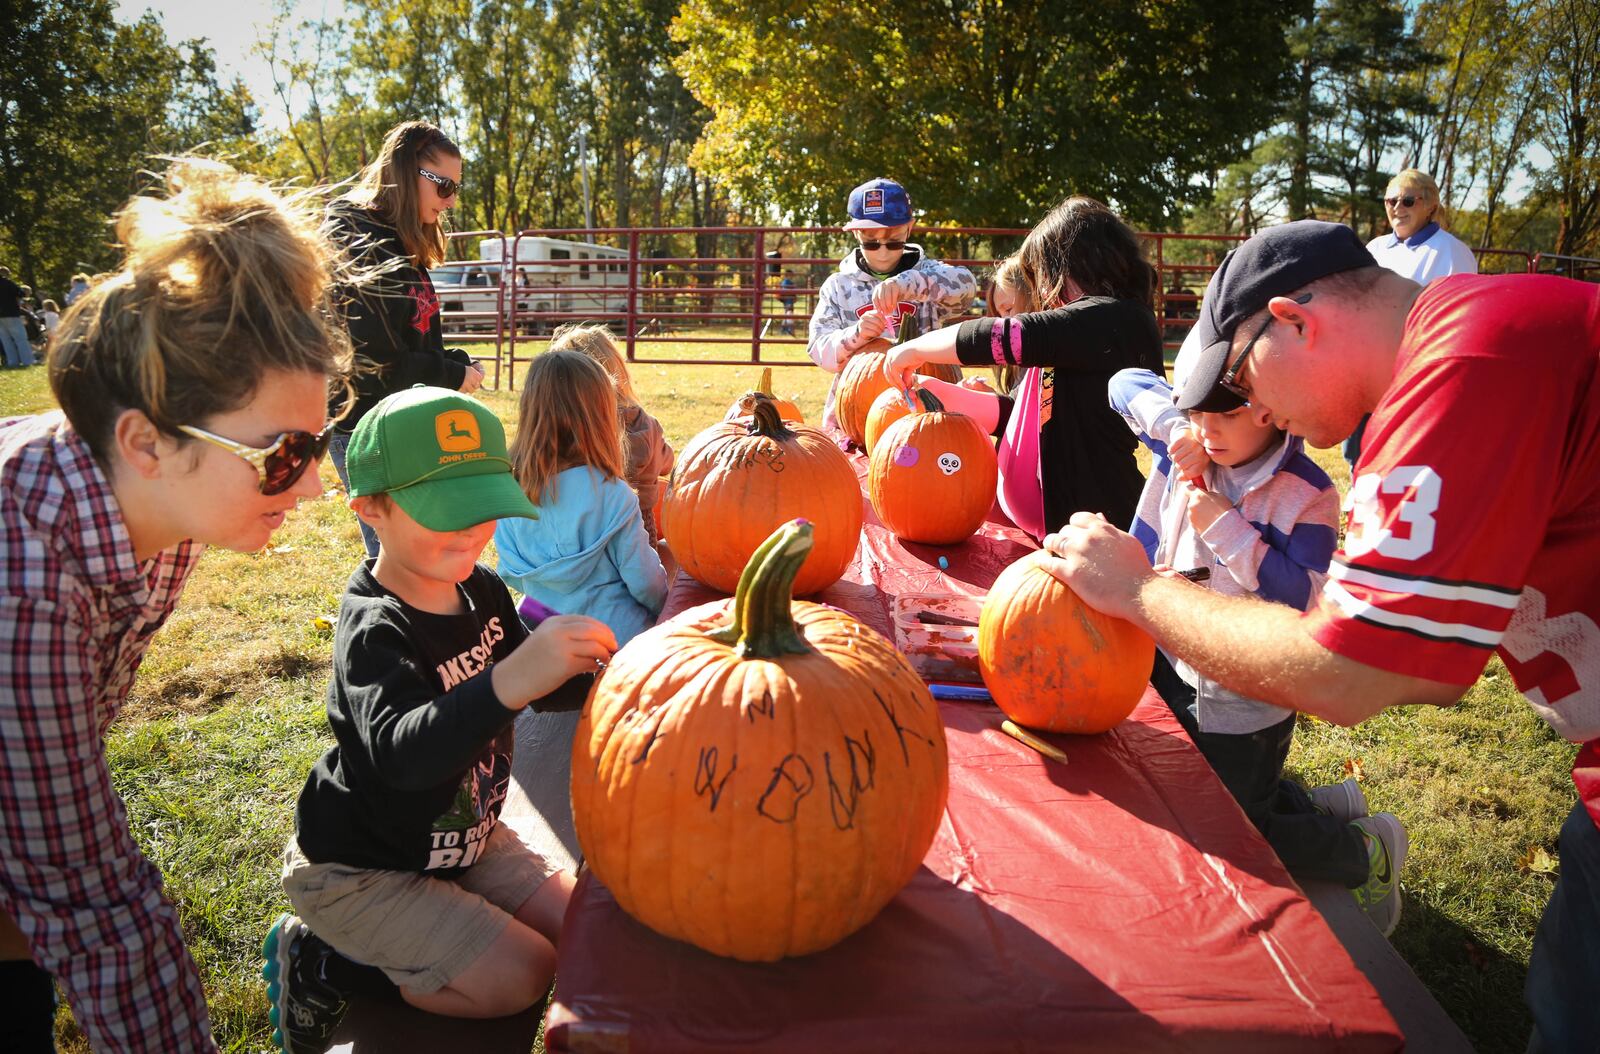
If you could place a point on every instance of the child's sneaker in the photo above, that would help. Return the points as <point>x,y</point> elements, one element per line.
<point>1343,800</point>
<point>1379,895</point>
<point>305,1008</point>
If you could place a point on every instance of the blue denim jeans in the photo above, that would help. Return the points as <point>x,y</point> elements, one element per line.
<point>1563,988</point>
<point>336,448</point>
<point>14,342</point>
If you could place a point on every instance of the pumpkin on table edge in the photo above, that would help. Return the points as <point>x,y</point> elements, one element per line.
<point>933,475</point>
<point>737,481</point>
<point>1053,662</point>
<point>787,410</point>
<point>758,776</point>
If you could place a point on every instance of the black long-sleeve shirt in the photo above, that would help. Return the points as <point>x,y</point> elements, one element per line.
<point>423,755</point>
<point>394,319</point>
<point>1086,451</point>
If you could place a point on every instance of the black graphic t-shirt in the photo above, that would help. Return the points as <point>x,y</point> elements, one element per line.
<point>423,759</point>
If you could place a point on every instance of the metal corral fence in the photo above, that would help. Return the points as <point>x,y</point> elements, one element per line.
<point>678,294</point>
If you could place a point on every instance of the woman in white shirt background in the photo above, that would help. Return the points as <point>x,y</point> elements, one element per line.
<point>1417,247</point>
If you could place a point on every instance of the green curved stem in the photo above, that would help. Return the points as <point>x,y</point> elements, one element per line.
<point>931,404</point>
<point>762,626</point>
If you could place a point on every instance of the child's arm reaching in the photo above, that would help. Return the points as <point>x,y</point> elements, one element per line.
<point>1144,400</point>
<point>417,737</point>
<point>563,647</point>
<point>1287,567</point>
<point>835,334</point>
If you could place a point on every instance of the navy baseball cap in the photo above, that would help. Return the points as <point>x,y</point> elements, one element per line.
<point>1275,262</point>
<point>878,203</point>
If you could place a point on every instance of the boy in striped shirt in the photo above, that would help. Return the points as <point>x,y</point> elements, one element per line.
<point>1235,501</point>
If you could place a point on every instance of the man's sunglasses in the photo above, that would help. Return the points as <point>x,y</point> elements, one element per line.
<point>1408,201</point>
<point>282,462</point>
<point>874,245</point>
<point>1229,381</point>
<point>447,188</point>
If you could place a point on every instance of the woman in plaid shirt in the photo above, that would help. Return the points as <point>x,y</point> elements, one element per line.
<point>193,388</point>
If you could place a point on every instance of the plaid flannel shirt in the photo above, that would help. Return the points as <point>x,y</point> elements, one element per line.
<point>76,614</point>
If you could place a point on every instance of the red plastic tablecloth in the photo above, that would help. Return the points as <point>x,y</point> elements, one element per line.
<point>1119,902</point>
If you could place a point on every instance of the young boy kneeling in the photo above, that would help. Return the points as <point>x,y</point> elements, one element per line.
<point>406,885</point>
<point>1264,523</point>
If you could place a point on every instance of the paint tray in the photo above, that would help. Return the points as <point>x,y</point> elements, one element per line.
<point>938,633</point>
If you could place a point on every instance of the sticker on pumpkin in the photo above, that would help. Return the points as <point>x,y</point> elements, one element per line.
<point>949,463</point>
<point>907,456</point>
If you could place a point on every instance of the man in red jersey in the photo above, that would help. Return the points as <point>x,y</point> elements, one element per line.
<point>1474,523</point>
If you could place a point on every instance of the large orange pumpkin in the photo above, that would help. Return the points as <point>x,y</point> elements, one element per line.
<point>932,475</point>
<point>739,480</point>
<point>756,776</point>
<point>1053,662</point>
<point>787,410</point>
<point>862,380</point>
<point>887,408</point>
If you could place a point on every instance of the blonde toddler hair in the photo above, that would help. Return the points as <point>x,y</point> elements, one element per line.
<point>597,343</point>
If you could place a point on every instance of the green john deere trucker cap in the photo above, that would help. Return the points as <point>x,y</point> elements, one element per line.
<point>440,455</point>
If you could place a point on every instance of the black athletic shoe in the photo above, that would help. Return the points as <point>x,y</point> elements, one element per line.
<point>305,1009</point>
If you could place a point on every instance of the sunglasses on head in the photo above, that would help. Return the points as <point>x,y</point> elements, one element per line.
<point>1408,201</point>
<point>447,188</point>
<point>280,463</point>
<point>875,244</point>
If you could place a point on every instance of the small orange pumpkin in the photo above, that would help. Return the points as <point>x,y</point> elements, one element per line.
<point>787,410</point>
<point>758,776</point>
<point>932,475</point>
<point>738,480</point>
<point>1053,662</point>
<point>887,408</point>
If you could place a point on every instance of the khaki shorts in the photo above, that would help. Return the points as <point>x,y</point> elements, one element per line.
<point>419,930</point>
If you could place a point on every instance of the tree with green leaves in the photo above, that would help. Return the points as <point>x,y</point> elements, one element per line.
<point>78,132</point>
<point>991,112</point>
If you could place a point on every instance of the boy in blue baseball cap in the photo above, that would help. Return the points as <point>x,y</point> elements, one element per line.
<point>881,282</point>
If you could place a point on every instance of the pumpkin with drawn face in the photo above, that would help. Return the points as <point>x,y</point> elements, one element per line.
<point>758,776</point>
<point>739,480</point>
<point>933,475</point>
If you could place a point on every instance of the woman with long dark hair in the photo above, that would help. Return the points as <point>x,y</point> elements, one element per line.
<point>391,224</point>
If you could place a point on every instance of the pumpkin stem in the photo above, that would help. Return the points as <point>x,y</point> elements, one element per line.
<point>762,626</point>
<point>764,417</point>
<point>765,384</point>
<point>931,404</point>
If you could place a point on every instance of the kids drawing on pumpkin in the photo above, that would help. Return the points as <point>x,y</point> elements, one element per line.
<point>586,554</point>
<point>1062,449</point>
<point>1238,498</point>
<point>647,456</point>
<point>405,884</point>
<point>882,278</point>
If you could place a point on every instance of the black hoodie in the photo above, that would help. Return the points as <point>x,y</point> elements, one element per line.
<point>394,320</point>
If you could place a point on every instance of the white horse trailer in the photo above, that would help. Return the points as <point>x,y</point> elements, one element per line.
<point>593,284</point>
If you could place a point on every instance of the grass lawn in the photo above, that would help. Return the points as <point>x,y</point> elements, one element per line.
<point>226,718</point>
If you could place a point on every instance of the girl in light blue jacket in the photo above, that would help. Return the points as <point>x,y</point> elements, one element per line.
<point>586,554</point>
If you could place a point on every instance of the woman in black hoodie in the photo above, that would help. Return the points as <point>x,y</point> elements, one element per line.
<point>1063,449</point>
<point>390,221</point>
